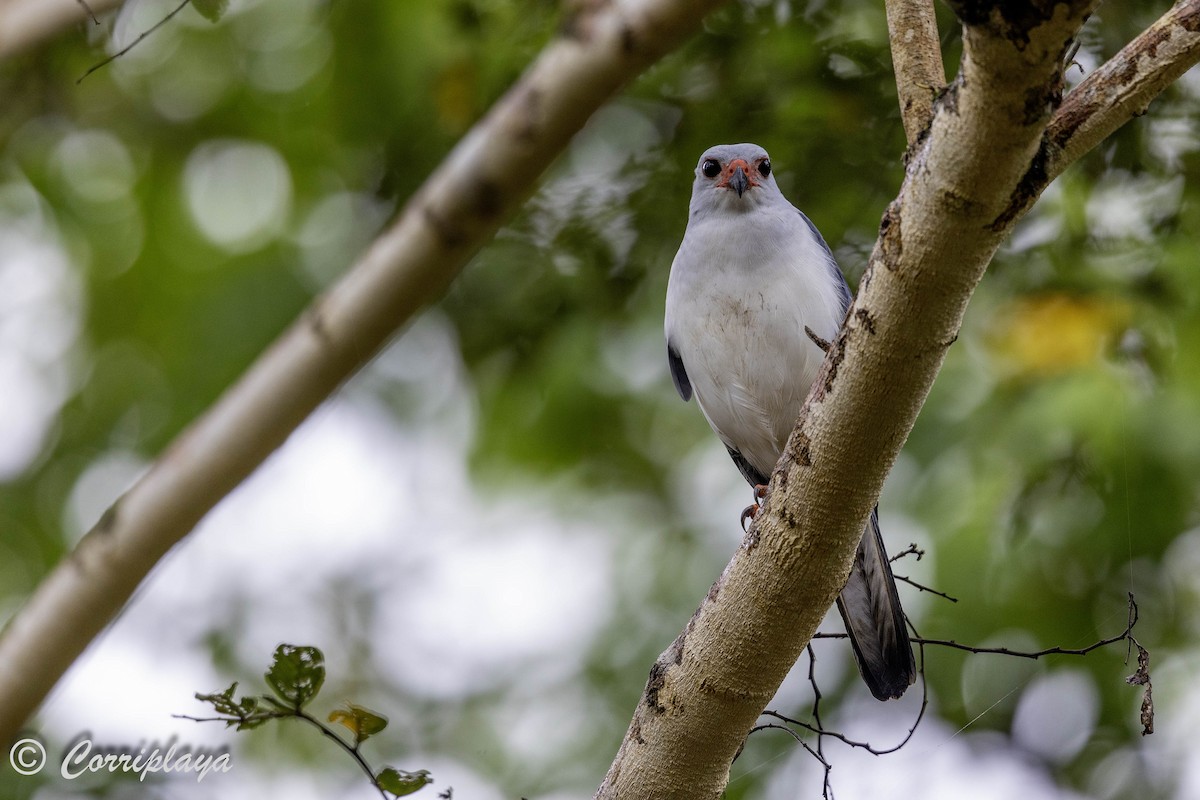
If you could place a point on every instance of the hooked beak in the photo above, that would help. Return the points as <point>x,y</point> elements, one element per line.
<point>737,177</point>
<point>738,181</point>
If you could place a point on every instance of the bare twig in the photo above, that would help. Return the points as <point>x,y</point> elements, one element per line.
<point>1049,651</point>
<point>826,786</point>
<point>1123,87</point>
<point>83,4</point>
<point>775,726</point>
<point>99,65</point>
<point>925,588</point>
<point>819,751</point>
<point>789,724</point>
<point>911,550</point>
<point>818,728</point>
<point>817,340</point>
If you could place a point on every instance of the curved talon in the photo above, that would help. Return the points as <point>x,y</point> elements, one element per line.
<point>760,494</point>
<point>748,513</point>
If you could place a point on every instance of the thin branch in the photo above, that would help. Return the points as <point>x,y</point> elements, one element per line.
<point>1141,677</point>
<point>1124,86</point>
<point>1126,634</point>
<point>911,550</point>
<point>775,726</point>
<point>170,15</point>
<point>255,717</point>
<point>352,750</point>
<point>1049,651</point>
<point>917,61</point>
<point>88,9</point>
<point>925,588</point>
<point>818,728</point>
<point>1006,651</point>
<point>826,786</point>
<point>819,751</point>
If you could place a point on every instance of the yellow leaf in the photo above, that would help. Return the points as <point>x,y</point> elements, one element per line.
<point>454,96</point>
<point>362,722</point>
<point>1052,333</point>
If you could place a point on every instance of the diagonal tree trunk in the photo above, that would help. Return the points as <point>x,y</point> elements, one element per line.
<point>601,46</point>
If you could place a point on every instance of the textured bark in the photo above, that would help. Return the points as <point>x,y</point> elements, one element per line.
<point>977,169</point>
<point>917,61</point>
<point>1123,87</point>
<point>27,23</point>
<point>600,47</point>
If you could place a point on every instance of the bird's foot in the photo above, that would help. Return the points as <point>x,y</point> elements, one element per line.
<point>760,494</point>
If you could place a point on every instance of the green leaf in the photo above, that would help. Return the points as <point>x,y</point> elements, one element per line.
<point>362,722</point>
<point>222,702</point>
<point>238,711</point>
<point>211,10</point>
<point>401,783</point>
<point>296,674</point>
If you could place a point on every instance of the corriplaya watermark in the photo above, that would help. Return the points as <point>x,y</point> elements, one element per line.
<point>84,756</point>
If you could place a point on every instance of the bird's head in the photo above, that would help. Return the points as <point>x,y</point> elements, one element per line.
<point>734,176</point>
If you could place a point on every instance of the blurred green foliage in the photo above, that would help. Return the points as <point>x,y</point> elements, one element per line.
<point>1053,469</point>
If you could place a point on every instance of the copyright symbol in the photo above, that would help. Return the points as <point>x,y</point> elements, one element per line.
<point>27,756</point>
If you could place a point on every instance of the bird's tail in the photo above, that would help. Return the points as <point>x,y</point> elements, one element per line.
<point>874,620</point>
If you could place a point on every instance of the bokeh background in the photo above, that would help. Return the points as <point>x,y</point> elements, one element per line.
<point>494,529</point>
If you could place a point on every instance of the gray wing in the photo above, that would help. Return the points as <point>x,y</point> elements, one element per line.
<point>843,287</point>
<point>678,374</point>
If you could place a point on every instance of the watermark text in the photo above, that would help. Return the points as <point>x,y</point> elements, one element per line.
<point>84,756</point>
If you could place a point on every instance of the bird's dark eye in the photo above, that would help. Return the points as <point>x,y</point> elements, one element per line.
<point>711,168</point>
<point>764,167</point>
